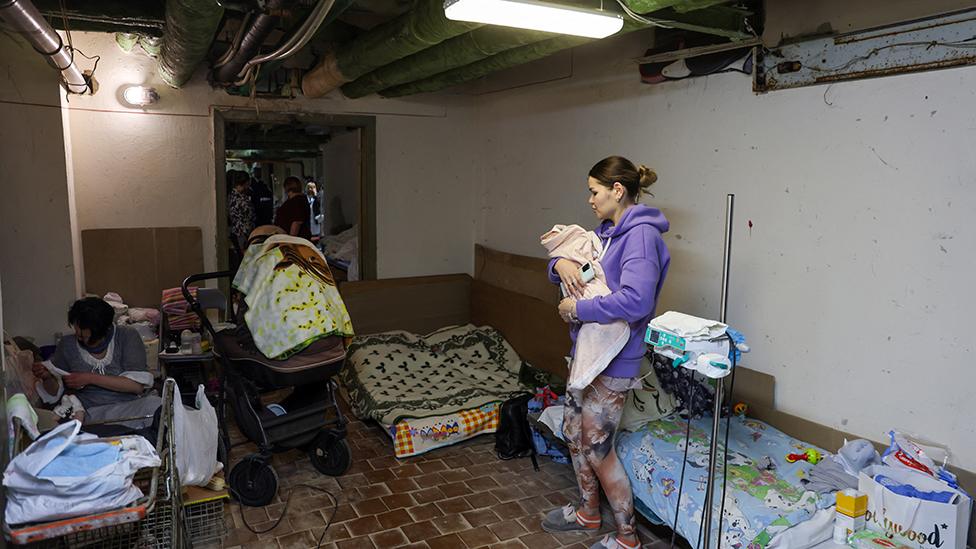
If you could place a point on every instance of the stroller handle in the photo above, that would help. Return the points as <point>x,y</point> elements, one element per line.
<point>194,302</point>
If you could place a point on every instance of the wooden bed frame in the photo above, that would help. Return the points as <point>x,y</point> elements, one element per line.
<point>512,293</point>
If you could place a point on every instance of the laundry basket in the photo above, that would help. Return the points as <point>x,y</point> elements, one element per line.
<point>203,520</point>
<point>151,522</point>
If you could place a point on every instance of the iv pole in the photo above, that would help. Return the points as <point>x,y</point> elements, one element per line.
<point>719,385</point>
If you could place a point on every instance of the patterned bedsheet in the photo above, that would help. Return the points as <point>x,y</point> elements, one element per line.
<point>758,503</point>
<point>434,390</point>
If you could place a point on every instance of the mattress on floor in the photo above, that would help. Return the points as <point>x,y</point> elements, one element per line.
<point>434,390</point>
<point>759,504</point>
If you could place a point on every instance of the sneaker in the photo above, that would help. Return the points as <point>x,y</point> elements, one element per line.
<point>566,519</point>
<point>611,542</point>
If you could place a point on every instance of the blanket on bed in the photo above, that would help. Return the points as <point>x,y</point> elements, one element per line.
<point>759,503</point>
<point>397,375</point>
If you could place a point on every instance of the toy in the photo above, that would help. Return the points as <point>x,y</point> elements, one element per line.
<point>740,408</point>
<point>810,455</point>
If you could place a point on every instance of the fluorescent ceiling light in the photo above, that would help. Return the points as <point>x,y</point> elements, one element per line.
<point>531,14</point>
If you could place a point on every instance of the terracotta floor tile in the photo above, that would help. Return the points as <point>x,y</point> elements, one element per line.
<point>380,475</point>
<point>509,510</point>
<point>477,537</point>
<point>389,538</point>
<point>401,485</point>
<point>450,541</point>
<point>428,480</point>
<point>482,499</point>
<point>407,470</point>
<point>298,540</point>
<point>363,526</point>
<point>375,491</point>
<point>337,532</point>
<point>540,540</point>
<point>433,466</point>
<point>455,474</point>
<point>356,543</point>
<point>480,517</point>
<point>395,518</point>
<point>306,521</point>
<point>532,523</point>
<point>418,545</point>
<point>343,513</point>
<point>420,531</point>
<point>425,512</point>
<point>385,462</point>
<point>368,507</point>
<point>454,505</point>
<point>510,544</point>
<point>481,483</point>
<point>451,523</point>
<point>507,529</point>
<point>453,489</point>
<point>397,501</point>
<point>508,493</point>
<point>428,495</point>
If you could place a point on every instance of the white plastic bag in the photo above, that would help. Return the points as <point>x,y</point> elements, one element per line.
<point>32,497</point>
<point>195,437</point>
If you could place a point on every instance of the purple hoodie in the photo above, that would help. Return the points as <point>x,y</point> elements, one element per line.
<point>636,263</point>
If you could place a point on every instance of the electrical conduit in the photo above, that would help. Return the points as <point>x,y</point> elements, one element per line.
<point>24,17</point>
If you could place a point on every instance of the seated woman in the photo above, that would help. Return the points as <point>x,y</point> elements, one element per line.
<point>106,370</point>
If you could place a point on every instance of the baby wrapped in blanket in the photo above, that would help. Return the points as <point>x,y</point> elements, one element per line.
<point>596,344</point>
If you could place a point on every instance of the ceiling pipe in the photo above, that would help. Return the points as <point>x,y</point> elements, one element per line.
<point>449,54</point>
<point>418,29</point>
<point>24,18</point>
<point>190,28</point>
<point>250,44</point>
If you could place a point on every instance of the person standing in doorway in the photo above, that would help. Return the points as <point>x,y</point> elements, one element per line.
<point>315,205</point>
<point>262,200</point>
<point>240,209</point>
<point>635,261</point>
<point>293,214</point>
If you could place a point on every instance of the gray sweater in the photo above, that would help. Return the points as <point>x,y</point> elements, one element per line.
<point>128,357</point>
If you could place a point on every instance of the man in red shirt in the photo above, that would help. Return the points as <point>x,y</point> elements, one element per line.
<point>293,214</point>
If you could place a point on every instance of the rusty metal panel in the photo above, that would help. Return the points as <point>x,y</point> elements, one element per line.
<point>933,43</point>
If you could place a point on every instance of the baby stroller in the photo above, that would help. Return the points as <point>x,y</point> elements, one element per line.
<point>301,420</point>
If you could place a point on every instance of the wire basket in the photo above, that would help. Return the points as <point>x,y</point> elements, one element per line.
<point>204,524</point>
<point>150,523</point>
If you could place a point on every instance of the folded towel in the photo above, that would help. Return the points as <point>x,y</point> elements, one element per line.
<point>689,327</point>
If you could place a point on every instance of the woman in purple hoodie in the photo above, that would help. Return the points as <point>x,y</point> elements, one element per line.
<point>635,261</point>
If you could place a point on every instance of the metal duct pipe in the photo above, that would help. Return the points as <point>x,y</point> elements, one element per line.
<point>190,28</point>
<point>250,44</point>
<point>28,21</point>
<point>420,28</point>
<point>449,54</point>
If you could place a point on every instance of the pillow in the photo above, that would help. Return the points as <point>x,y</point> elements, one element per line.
<point>647,403</point>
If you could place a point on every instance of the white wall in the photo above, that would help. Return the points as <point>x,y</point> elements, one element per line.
<point>36,265</point>
<point>340,179</point>
<point>854,284</point>
<point>156,168</point>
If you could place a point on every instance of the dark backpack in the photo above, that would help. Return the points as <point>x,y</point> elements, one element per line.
<point>513,438</point>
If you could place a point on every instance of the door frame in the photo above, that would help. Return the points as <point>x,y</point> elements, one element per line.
<point>367,171</point>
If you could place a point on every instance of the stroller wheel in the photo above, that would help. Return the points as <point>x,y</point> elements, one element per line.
<point>253,481</point>
<point>330,454</point>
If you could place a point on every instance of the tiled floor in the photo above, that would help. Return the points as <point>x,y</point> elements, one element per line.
<point>461,496</point>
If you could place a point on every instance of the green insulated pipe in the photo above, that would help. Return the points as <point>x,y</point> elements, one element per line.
<point>504,60</point>
<point>449,54</point>
<point>420,28</point>
<point>190,28</point>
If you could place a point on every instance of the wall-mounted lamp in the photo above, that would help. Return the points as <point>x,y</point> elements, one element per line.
<point>536,15</point>
<point>139,96</point>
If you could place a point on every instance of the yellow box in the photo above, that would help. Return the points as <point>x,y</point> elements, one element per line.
<point>852,503</point>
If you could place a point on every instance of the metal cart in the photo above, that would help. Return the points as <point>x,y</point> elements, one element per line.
<point>152,522</point>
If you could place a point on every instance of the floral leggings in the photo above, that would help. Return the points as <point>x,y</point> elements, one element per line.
<point>589,426</point>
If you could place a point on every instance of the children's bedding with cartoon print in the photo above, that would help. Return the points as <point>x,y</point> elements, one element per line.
<point>434,390</point>
<point>759,502</point>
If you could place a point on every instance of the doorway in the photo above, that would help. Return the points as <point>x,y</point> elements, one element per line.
<point>333,156</point>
